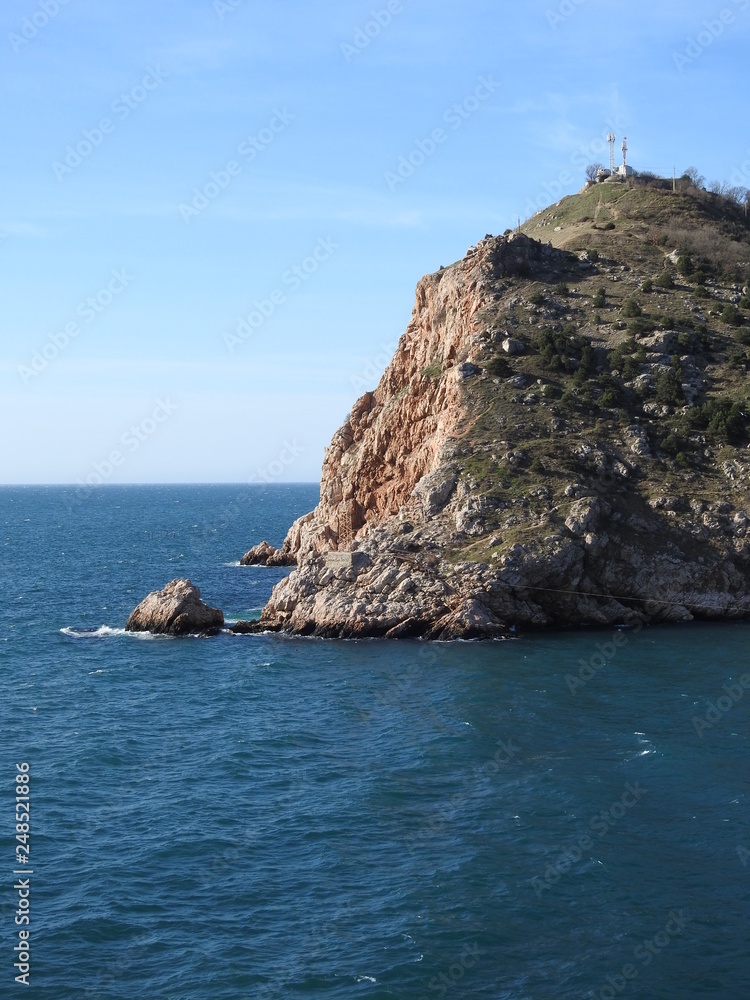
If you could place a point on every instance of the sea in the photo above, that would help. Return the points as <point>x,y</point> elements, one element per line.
<point>559,815</point>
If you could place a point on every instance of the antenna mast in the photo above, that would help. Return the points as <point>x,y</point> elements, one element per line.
<point>611,139</point>
<point>625,155</point>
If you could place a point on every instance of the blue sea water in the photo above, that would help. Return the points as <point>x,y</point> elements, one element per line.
<point>266,817</point>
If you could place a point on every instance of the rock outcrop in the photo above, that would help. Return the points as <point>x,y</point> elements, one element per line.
<point>529,459</point>
<point>175,610</point>
<point>267,555</point>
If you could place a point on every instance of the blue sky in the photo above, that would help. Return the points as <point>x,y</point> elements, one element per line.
<point>171,168</point>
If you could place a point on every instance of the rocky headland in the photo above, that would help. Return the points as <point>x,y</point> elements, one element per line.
<point>561,438</point>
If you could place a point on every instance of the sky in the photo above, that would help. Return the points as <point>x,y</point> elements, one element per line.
<point>214,213</point>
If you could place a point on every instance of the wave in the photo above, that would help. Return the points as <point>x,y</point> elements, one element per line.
<point>103,632</point>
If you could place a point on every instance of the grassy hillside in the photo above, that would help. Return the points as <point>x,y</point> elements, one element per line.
<point>633,379</point>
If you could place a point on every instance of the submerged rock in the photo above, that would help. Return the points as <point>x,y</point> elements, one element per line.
<point>176,610</point>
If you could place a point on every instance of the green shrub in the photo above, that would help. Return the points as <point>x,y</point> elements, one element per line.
<point>731,315</point>
<point>685,264</point>
<point>600,299</point>
<point>647,286</point>
<point>586,365</point>
<point>668,322</point>
<point>568,399</point>
<point>536,298</point>
<point>630,309</point>
<point>561,289</point>
<point>665,280</point>
<point>553,347</point>
<point>594,255</point>
<point>742,337</point>
<point>609,226</point>
<point>609,398</point>
<point>669,391</point>
<point>701,292</point>
<point>640,326</point>
<point>685,341</point>
<point>745,302</point>
<point>723,420</point>
<point>737,358</point>
<point>672,444</point>
<point>499,368</point>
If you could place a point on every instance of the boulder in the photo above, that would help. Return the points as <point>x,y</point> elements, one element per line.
<point>468,369</point>
<point>512,346</point>
<point>583,517</point>
<point>176,610</point>
<point>434,490</point>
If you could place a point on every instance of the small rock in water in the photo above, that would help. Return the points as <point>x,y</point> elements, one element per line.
<point>176,610</point>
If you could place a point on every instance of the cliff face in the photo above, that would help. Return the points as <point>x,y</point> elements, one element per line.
<point>559,439</point>
<point>396,435</point>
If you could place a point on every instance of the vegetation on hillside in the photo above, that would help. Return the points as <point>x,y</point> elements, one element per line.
<point>638,332</point>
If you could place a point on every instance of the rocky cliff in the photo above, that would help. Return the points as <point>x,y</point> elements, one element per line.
<point>560,438</point>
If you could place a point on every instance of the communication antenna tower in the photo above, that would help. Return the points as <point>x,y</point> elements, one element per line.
<point>611,139</point>
<point>625,154</point>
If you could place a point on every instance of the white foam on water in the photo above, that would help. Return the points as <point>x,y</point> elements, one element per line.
<point>92,633</point>
<point>104,632</point>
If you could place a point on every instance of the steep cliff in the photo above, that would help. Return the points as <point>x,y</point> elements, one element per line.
<point>559,439</point>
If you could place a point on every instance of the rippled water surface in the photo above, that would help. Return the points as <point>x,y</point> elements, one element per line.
<point>255,816</point>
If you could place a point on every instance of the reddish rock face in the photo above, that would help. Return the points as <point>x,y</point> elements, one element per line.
<point>176,610</point>
<point>395,435</point>
<point>430,526</point>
